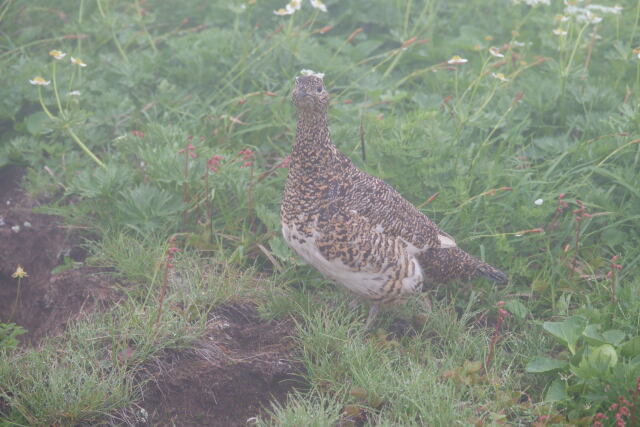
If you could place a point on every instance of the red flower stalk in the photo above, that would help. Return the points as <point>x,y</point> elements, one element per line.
<point>165,278</point>
<point>578,215</point>
<point>611,275</point>
<point>502,314</point>
<point>190,151</point>
<point>213,163</point>
<point>137,133</point>
<point>247,154</point>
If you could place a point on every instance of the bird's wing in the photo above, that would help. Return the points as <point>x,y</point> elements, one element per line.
<point>347,235</point>
<point>391,214</point>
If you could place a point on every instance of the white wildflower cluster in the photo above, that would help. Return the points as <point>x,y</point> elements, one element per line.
<point>58,55</point>
<point>294,5</point>
<point>589,14</point>
<point>456,60</point>
<point>533,3</point>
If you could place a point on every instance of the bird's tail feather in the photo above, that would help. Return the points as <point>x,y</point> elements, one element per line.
<point>492,273</point>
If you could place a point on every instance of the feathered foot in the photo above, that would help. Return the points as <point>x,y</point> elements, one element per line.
<point>373,313</point>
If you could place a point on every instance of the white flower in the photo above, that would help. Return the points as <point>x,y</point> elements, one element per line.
<point>495,52</point>
<point>585,15</point>
<point>538,202</point>
<point>455,60</point>
<point>283,12</point>
<point>78,61</point>
<point>500,77</point>
<point>559,32</point>
<point>591,18</point>
<point>290,8</point>
<point>74,93</point>
<point>39,81</point>
<point>318,5</point>
<point>605,9</point>
<point>57,54</point>
<point>532,2</point>
<point>516,43</point>
<point>294,4</point>
<point>306,72</point>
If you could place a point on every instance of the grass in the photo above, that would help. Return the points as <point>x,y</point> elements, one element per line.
<point>473,144</point>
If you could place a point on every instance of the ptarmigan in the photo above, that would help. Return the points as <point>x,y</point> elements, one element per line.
<point>353,227</point>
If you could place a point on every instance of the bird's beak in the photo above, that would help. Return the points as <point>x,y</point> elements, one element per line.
<point>300,94</point>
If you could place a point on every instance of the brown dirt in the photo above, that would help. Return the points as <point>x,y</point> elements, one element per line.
<point>230,376</point>
<point>47,302</point>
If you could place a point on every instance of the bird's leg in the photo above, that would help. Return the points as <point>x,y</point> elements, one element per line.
<point>373,312</point>
<point>354,303</point>
<point>426,302</point>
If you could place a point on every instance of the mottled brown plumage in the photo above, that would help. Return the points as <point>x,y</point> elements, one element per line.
<point>353,227</point>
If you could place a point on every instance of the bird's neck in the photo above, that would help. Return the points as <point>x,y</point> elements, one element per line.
<point>313,142</point>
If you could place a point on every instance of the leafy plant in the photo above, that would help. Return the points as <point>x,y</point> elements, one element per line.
<point>8,335</point>
<point>600,367</point>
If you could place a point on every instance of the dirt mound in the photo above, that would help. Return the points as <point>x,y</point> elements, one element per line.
<point>231,375</point>
<point>240,365</point>
<point>46,301</point>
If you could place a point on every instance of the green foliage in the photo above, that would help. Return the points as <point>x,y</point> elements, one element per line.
<point>172,98</point>
<point>602,366</point>
<point>8,335</point>
<point>300,410</point>
<point>82,377</point>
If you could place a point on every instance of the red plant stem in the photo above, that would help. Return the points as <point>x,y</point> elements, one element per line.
<point>613,285</point>
<point>185,190</point>
<point>496,334</point>
<point>250,218</point>
<point>579,214</point>
<point>208,205</point>
<point>163,291</point>
<point>612,276</point>
<point>575,253</point>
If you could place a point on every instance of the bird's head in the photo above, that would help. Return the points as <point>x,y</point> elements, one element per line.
<point>309,94</point>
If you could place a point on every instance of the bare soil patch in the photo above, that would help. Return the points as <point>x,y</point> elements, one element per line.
<point>39,243</point>
<point>231,375</point>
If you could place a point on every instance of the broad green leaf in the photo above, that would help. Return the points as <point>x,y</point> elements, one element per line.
<point>631,348</point>
<point>556,392</point>
<point>598,360</point>
<point>592,332</point>
<point>282,251</point>
<point>614,336</point>
<point>38,123</point>
<point>568,331</point>
<point>544,364</point>
<point>516,308</point>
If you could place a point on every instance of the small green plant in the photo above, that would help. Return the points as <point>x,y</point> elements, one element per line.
<point>64,118</point>
<point>19,274</point>
<point>8,335</point>
<point>596,369</point>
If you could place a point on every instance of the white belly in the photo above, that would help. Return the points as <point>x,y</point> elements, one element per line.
<point>362,282</point>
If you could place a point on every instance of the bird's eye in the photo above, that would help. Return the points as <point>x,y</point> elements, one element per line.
<point>319,89</point>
